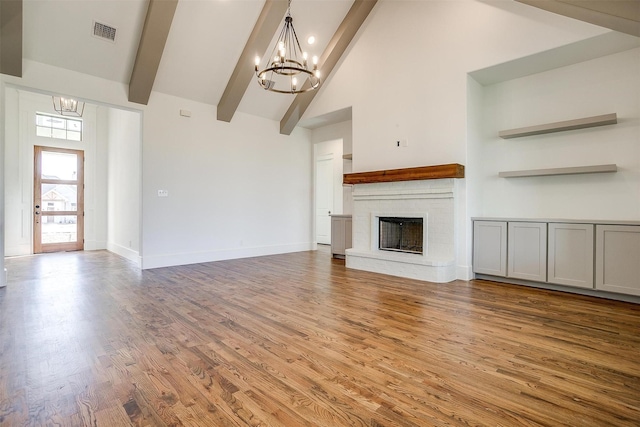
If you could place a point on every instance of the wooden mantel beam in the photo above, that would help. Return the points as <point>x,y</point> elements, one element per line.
<point>452,170</point>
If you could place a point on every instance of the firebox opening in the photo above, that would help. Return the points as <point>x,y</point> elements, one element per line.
<point>400,235</point>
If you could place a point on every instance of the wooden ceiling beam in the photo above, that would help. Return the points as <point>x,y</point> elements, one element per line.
<point>619,15</point>
<point>329,59</point>
<point>154,36</point>
<point>266,26</point>
<point>11,37</point>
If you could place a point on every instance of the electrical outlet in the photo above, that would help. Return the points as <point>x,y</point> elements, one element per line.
<point>163,193</point>
<point>402,142</point>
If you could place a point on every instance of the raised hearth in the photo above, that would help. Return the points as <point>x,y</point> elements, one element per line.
<point>431,201</point>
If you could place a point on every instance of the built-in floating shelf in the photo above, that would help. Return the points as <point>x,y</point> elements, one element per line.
<point>559,171</point>
<point>587,122</point>
<point>347,156</point>
<point>453,170</point>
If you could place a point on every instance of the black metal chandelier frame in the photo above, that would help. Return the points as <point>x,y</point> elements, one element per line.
<point>285,64</point>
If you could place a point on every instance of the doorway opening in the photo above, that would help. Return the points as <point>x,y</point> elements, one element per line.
<point>58,205</point>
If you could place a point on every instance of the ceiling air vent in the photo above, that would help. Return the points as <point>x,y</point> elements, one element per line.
<point>104,31</point>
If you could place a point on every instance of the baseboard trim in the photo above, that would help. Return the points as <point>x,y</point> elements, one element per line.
<point>125,252</point>
<point>169,260</point>
<point>561,288</point>
<point>464,272</point>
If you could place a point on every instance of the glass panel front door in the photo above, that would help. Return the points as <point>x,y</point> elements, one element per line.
<point>59,200</point>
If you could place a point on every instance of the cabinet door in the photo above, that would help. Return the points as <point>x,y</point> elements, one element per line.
<point>337,236</point>
<point>527,254</point>
<point>571,254</point>
<point>490,247</point>
<point>348,233</point>
<point>618,258</point>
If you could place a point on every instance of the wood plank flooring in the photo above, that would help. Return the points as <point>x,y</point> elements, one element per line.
<point>87,339</point>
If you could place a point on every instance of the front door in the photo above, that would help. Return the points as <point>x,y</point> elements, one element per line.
<point>58,205</point>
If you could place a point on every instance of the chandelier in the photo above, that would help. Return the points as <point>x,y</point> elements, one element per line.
<point>68,106</point>
<point>287,69</point>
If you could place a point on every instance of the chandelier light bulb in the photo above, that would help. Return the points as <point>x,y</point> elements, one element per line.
<point>315,60</point>
<point>294,83</point>
<point>257,63</point>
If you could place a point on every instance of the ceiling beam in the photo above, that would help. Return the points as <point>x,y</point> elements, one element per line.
<point>619,15</point>
<point>330,57</point>
<point>154,36</point>
<point>11,37</point>
<point>266,26</point>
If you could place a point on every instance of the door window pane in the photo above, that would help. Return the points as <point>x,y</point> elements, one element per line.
<point>57,197</point>
<point>59,229</point>
<point>75,125</point>
<point>57,123</point>
<point>58,127</point>
<point>59,166</point>
<point>43,120</point>
<point>42,131</point>
<point>59,133</point>
<point>74,136</point>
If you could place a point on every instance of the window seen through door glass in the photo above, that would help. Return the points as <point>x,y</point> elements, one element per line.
<point>59,229</point>
<point>59,197</point>
<point>59,166</point>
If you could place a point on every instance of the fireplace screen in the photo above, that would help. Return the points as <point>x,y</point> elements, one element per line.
<point>401,234</point>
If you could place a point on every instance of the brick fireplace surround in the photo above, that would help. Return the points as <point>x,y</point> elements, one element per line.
<point>431,199</point>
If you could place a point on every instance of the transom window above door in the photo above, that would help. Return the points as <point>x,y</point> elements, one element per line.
<point>58,127</point>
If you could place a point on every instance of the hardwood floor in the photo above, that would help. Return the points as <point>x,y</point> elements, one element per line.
<point>298,340</point>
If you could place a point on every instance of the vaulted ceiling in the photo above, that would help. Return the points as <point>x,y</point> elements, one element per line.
<point>203,49</point>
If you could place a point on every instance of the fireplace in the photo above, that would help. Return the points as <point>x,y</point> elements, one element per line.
<point>400,234</point>
<point>425,208</point>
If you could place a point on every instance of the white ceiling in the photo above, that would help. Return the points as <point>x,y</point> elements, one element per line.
<point>204,43</point>
<point>60,33</point>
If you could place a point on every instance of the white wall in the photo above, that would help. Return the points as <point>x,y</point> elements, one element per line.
<point>408,81</point>
<point>605,85</point>
<point>124,187</point>
<point>235,189</point>
<point>405,75</point>
<point>340,130</point>
<point>19,163</point>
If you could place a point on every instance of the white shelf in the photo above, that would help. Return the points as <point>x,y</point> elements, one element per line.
<point>559,171</point>
<point>587,122</point>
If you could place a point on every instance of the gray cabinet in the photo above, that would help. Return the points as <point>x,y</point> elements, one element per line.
<point>490,247</point>
<point>527,251</point>
<point>592,255</point>
<point>341,234</point>
<point>618,258</point>
<point>570,254</point>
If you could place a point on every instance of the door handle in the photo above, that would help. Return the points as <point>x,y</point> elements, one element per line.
<point>329,212</point>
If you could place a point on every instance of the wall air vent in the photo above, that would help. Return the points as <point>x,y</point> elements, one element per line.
<point>104,31</point>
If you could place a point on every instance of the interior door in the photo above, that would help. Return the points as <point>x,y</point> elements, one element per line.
<point>324,198</point>
<point>58,205</point>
